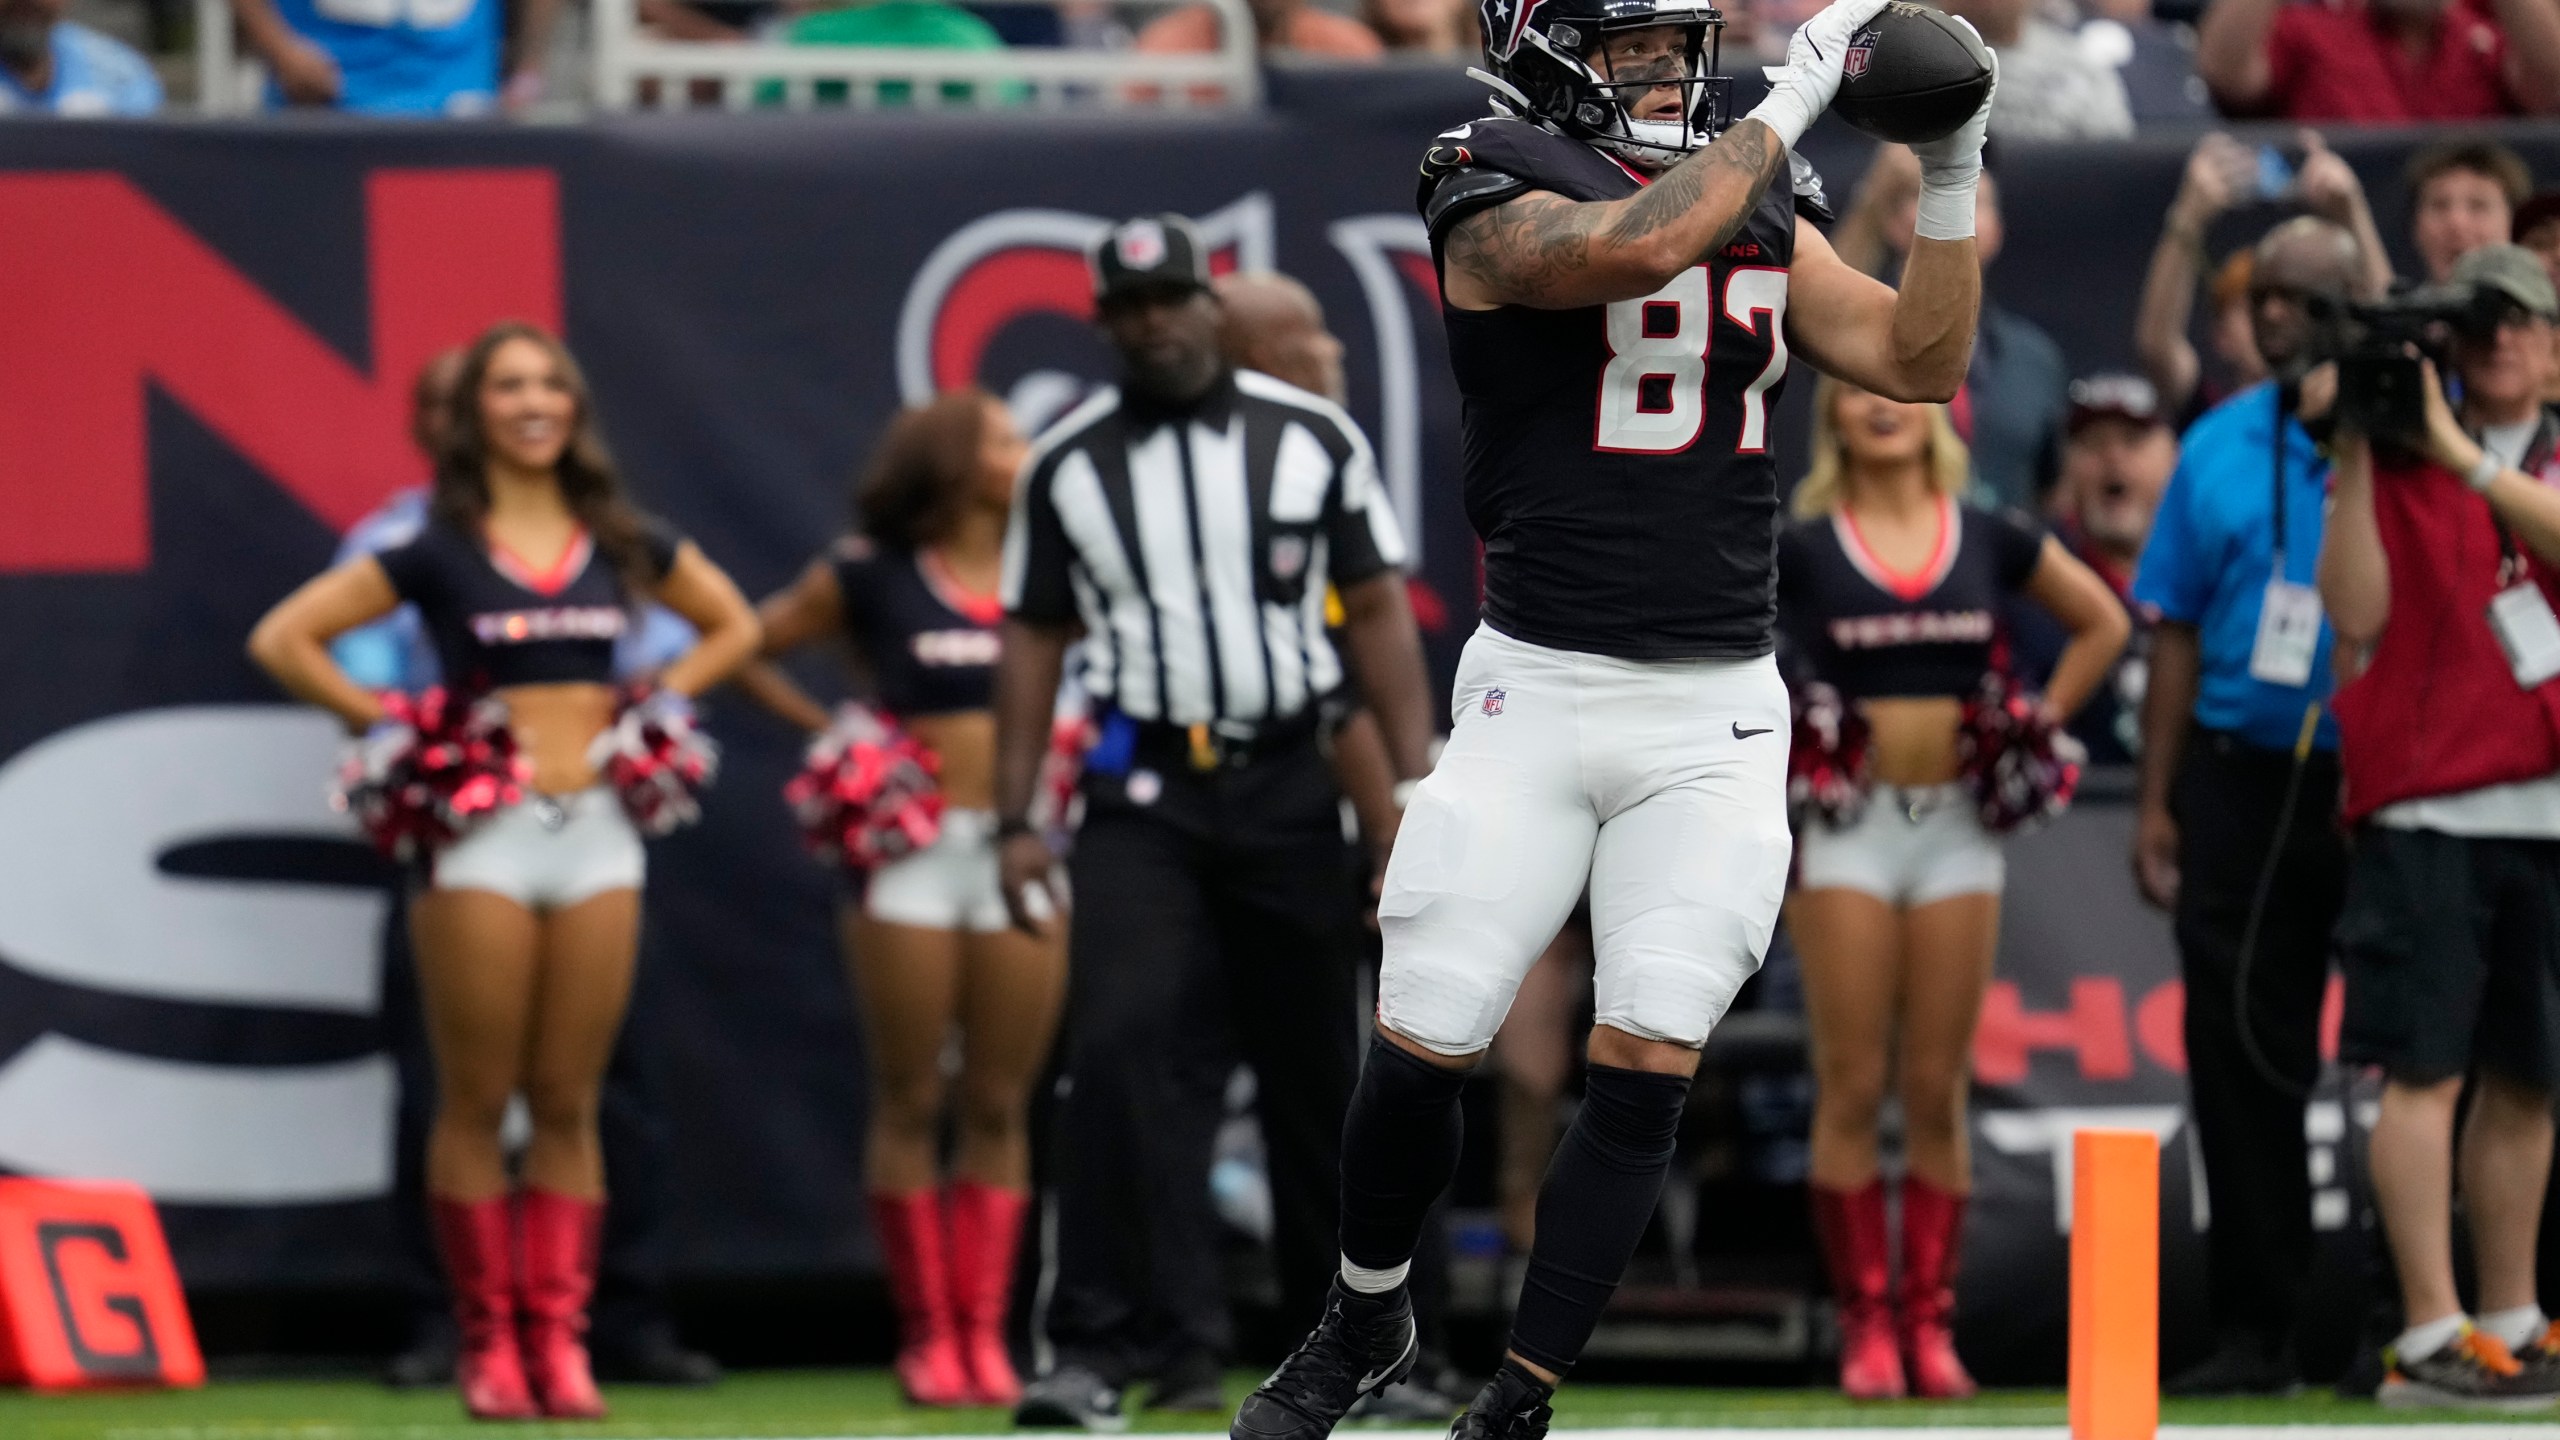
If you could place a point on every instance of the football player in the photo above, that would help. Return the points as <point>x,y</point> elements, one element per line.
<point>1624,276</point>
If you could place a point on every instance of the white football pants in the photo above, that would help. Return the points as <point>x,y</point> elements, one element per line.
<point>1659,783</point>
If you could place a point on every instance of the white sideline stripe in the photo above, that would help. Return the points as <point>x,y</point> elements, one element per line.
<point>2307,1431</point>
<point>2480,1429</point>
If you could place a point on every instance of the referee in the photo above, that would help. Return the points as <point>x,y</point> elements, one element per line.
<point>1186,525</point>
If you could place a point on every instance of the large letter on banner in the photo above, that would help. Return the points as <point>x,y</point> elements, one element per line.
<point>113,293</point>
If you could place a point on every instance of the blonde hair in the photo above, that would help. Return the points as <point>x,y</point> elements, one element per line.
<point>1819,493</point>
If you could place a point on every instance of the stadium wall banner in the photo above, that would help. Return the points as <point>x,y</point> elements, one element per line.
<point>202,382</point>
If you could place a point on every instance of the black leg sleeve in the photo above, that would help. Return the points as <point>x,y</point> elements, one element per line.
<point>1599,1196</point>
<point>1399,1151</point>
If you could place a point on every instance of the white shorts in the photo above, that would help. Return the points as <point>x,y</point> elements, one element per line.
<point>950,884</point>
<point>1661,784</point>
<point>547,851</point>
<point>1910,847</point>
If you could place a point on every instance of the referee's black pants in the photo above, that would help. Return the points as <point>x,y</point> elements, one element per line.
<point>2228,797</point>
<point>1216,922</point>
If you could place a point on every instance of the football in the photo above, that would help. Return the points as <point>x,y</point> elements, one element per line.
<point>1913,74</point>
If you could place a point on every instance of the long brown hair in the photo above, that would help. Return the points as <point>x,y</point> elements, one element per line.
<point>589,484</point>
<point>920,474</point>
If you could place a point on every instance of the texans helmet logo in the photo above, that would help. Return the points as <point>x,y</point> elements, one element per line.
<point>1506,22</point>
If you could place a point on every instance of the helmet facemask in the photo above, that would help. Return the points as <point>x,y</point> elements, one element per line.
<point>1605,84</point>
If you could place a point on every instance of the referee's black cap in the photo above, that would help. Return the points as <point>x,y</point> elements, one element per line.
<point>1159,254</point>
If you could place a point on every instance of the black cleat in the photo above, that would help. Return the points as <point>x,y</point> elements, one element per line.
<point>1511,1406</point>
<point>2240,1365</point>
<point>1071,1397</point>
<point>1363,1344</point>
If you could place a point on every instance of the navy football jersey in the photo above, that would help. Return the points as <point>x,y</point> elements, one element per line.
<point>931,646</point>
<point>497,622</point>
<point>1872,631</point>
<point>1616,457</point>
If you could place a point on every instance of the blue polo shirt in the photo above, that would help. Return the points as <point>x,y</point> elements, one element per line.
<point>404,57</point>
<point>2212,551</point>
<point>93,75</point>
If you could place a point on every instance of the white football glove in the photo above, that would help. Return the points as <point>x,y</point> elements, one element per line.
<point>1951,167</point>
<point>1801,89</point>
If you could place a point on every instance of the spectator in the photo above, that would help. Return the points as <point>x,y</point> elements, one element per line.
<point>2011,407</point>
<point>426,57</point>
<point>2223,174</point>
<point>894,25</point>
<point>2463,194</point>
<point>1282,26</point>
<point>2116,461</point>
<point>2155,59</point>
<point>51,66</point>
<point>2537,228</point>
<point>2237,789</point>
<point>2051,88</point>
<point>2451,735</point>
<point>1438,29</point>
<point>2382,62</point>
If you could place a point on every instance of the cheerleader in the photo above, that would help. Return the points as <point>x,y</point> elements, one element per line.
<point>1887,591</point>
<point>913,590</point>
<point>527,927</point>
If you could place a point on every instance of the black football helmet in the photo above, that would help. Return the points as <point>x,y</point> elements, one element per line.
<point>1552,57</point>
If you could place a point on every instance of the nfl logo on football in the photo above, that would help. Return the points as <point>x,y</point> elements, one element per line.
<point>1493,701</point>
<point>1861,50</point>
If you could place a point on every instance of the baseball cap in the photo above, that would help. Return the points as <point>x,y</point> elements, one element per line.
<point>2114,395</point>
<point>2512,271</point>
<point>1150,252</point>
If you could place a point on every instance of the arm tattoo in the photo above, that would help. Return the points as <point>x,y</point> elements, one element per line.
<point>1527,250</point>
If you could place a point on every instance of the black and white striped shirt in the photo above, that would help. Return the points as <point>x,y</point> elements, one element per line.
<point>1196,547</point>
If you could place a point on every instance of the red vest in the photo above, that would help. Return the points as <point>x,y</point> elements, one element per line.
<point>2438,711</point>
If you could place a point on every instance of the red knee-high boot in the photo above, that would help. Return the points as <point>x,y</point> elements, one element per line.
<point>559,1237</point>
<point>1851,1227</point>
<point>911,1246</point>
<point>479,1263</point>
<point>986,1228</point>
<point>1932,1233</point>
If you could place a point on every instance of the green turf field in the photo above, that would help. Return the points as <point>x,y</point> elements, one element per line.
<point>862,1402</point>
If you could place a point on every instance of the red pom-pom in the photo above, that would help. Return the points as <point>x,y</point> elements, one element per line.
<point>1071,734</point>
<point>2023,767</point>
<point>868,793</point>
<point>658,761</point>
<point>431,769</point>
<point>1827,757</point>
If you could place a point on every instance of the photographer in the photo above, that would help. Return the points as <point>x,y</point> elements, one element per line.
<point>2234,836</point>
<point>2450,737</point>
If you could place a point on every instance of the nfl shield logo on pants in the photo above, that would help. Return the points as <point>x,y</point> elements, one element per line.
<point>1493,701</point>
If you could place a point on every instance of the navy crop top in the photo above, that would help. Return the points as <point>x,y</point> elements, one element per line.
<point>1870,632</point>
<point>930,644</point>
<point>497,622</point>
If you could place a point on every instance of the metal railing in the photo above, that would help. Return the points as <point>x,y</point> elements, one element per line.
<point>631,69</point>
<point>634,70</point>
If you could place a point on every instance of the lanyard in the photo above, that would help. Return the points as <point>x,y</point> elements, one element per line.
<point>2537,453</point>
<point>2283,409</point>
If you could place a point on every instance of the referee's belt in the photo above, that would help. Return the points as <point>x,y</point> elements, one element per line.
<point>1222,744</point>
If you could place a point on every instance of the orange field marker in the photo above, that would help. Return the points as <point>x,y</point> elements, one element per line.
<point>2115,1285</point>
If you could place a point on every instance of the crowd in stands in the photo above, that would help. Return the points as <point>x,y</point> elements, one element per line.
<point>2070,69</point>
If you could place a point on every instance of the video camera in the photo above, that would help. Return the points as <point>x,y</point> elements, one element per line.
<point>2378,345</point>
